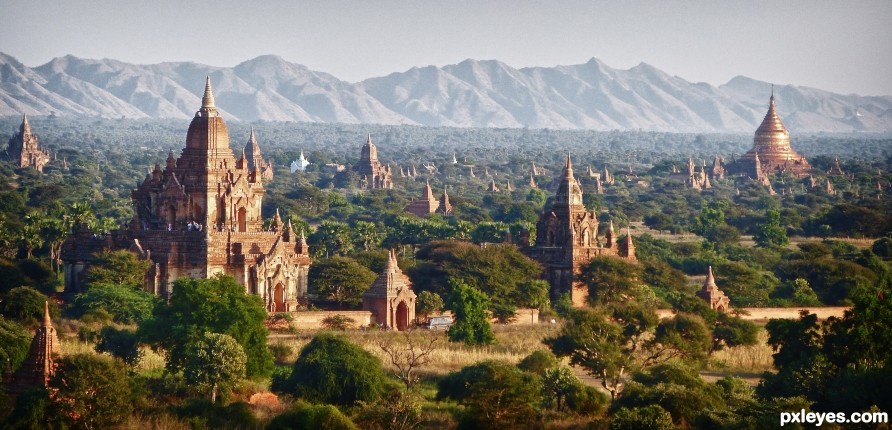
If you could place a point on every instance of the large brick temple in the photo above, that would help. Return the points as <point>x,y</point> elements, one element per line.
<point>200,215</point>
<point>567,239</point>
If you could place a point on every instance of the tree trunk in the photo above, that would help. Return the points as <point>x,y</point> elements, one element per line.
<point>214,393</point>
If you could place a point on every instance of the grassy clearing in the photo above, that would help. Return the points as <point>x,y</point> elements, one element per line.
<point>513,343</point>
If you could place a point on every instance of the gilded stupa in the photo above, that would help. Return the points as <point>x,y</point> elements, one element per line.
<point>771,148</point>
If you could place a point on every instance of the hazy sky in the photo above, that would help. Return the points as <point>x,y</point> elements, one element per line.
<point>841,46</point>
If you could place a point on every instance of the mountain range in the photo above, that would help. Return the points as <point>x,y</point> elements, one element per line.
<point>469,94</point>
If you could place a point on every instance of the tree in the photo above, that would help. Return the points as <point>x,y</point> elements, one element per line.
<point>215,362</point>
<point>730,331</point>
<point>216,305</point>
<point>25,305</point>
<point>612,280</point>
<point>122,344</point>
<point>125,304</point>
<point>770,233</point>
<point>685,336</point>
<point>330,369</point>
<point>341,279</point>
<point>428,303</point>
<point>407,352</point>
<point>469,307</point>
<point>14,343</point>
<point>366,235</point>
<point>332,237</point>
<point>557,384</point>
<point>533,293</point>
<point>496,396</point>
<point>597,344</point>
<point>538,361</point>
<point>92,391</point>
<point>119,268</point>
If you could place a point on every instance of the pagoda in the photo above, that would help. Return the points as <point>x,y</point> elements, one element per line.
<point>714,297</point>
<point>40,363</point>
<point>199,216</point>
<point>771,150</point>
<point>390,298</point>
<point>373,174</point>
<point>24,148</point>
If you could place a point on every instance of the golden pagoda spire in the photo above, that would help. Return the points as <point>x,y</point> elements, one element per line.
<point>26,127</point>
<point>207,101</point>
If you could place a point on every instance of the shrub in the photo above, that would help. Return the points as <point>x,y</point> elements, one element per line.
<point>333,370</point>
<point>538,361</point>
<point>306,416</point>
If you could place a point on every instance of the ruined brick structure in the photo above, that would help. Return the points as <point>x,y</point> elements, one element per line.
<point>200,216</point>
<point>567,238</point>
<point>24,148</point>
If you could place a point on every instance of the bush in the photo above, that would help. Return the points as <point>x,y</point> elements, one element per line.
<point>330,369</point>
<point>121,344</point>
<point>306,416</point>
<point>126,305</point>
<point>338,322</point>
<point>202,413</point>
<point>495,395</point>
<point>585,400</point>
<point>25,305</point>
<point>538,361</point>
<point>651,417</point>
<point>14,343</point>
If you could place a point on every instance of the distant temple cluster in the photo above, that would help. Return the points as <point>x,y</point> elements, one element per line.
<point>24,148</point>
<point>200,215</point>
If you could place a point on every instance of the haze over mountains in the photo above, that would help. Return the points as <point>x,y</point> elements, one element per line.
<point>469,94</point>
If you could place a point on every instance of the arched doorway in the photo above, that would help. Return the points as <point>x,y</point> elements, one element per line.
<point>279,298</point>
<point>171,216</point>
<point>242,219</point>
<point>402,316</point>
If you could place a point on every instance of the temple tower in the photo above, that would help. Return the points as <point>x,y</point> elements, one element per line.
<point>24,148</point>
<point>714,297</point>
<point>40,363</point>
<point>373,174</point>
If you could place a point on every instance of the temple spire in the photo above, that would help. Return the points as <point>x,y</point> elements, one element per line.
<point>47,322</point>
<point>26,127</point>
<point>568,169</point>
<point>208,100</point>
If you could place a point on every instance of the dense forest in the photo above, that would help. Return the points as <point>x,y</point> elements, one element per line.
<point>802,246</point>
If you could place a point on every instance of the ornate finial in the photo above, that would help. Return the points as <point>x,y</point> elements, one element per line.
<point>47,322</point>
<point>26,127</point>
<point>208,100</point>
<point>370,139</point>
<point>253,138</point>
<point>568,169</point>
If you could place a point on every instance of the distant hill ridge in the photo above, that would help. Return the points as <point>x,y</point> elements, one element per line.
<point>469,94</point>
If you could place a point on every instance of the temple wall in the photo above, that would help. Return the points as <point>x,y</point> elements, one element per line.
<point>765,314</point>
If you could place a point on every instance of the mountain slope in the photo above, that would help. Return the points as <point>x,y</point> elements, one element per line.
<point>469,94</point>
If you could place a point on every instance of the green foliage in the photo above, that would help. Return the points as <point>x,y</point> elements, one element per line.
<point>730,331</point>
<point>495,395</point>
<point>119,268</point>
<point>651,417</point>
<point>396,410</point>
<point>14,343</point>
<point>538,362</point>
<point>92,391</point>
<point>308,416</point>
<point>557,384</point>
<point>674,387</point>
<point>120,343</point>
<point>126,305</point>
<point>770,233</point>
<point>428,303</point>
<point>469,307</point>
<point>341,279</point>
<point>25,305</point>
<point>216,305</point>
<point>34,410</point>
<point>338,322</point>
<point>612,280</point>
<point>533,293</point>
<point>497,270</point>
<point>202,413</point>
<point>216,362</point>
<point>330,369</point>
<point>685,337</point>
